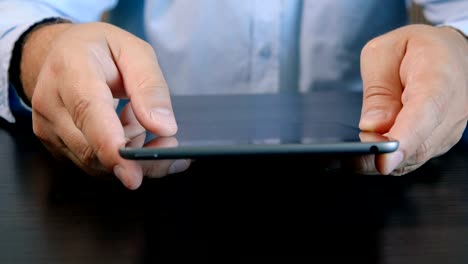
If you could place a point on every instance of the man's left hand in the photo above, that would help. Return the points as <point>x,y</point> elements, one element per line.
<point>415,91</point>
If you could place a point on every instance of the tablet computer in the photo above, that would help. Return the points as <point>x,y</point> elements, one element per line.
<point>318,123</point>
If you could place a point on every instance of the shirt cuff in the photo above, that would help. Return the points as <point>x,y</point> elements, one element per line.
<point>7,43</point>
<point>17,105</point>
<point>8,40</point>
<point>14,70</point>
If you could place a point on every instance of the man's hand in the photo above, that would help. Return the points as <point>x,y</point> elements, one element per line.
<point>73,73</point>
<point>415,91</point>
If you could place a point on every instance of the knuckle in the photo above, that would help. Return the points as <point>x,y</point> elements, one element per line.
<point>146,84</point>
<point>101,153</point>
<point>406,169</point>
<point>378,89</point>
<point>435,107</point>
<point>40,132</point>
<point>93,167</point>
<point>423,153</point>
<point>145,46</point>
<point>56,65</point>
<point>89,157</point>
<point>372,45</point>
<point>399,172</point>
<point>149,85</point>
<point>81,112</point>
<point>39,101</point>
<point>86,155</point>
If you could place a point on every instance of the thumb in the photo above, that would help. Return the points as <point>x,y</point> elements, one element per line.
<point>380,64</point>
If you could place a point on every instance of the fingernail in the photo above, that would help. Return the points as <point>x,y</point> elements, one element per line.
<point>178,166</point>
<point>394,160</point>
<point>162,114</point>
<point>376,114</point>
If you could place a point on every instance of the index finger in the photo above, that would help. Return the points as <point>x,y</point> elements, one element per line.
<point>91,107</point>
<point>144,83</point>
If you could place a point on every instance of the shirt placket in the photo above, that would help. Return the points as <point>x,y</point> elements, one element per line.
<point>265,32</point>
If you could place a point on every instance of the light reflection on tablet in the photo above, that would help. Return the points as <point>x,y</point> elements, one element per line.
<point>267,119</point>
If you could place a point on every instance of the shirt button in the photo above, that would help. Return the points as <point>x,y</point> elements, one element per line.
<point>265,52</point>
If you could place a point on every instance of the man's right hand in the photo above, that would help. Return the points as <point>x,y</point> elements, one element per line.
<point>73,74</point>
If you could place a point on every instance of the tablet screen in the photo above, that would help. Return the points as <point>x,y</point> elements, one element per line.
<point>272,123</point>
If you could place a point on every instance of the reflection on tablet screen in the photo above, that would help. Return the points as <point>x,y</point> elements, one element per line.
<point>231,125</point>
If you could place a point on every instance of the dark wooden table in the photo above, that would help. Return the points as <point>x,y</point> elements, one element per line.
<point>50,212</point>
